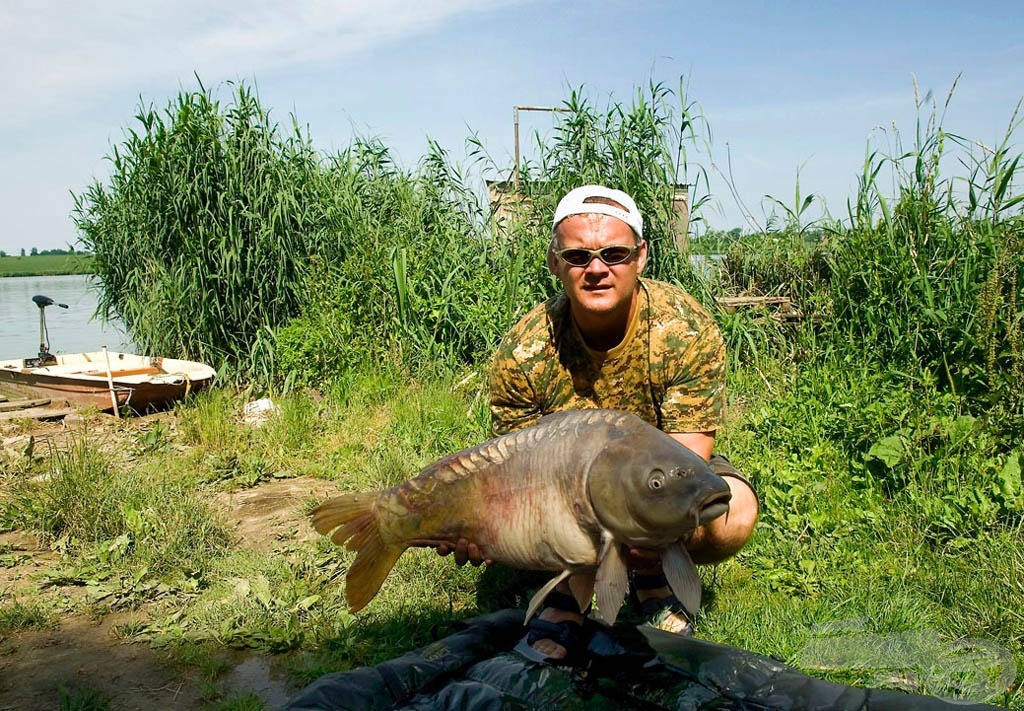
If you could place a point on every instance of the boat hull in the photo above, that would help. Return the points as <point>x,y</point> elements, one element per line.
<point>140,383</point>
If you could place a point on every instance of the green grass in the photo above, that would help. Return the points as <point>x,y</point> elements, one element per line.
<point>16,615</point>
<point>82,698</point>
<point>833,545</point>
<point>46,265</point>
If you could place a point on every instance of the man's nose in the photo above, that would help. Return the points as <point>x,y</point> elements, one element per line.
<point>596,266</point>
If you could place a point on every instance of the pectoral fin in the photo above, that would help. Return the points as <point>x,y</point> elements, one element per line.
<point>582,587</point>
<point>682,576</point>
<point>612,581</point>
<point>538,599</point>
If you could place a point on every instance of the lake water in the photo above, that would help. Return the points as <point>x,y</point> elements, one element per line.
<point>71,330</point>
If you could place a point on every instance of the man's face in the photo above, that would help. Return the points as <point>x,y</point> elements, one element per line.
<point>597,289</point>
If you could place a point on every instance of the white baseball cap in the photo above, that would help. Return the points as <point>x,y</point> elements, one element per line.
<point>580,201</point>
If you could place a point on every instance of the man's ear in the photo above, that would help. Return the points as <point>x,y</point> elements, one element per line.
<point>641,258</point>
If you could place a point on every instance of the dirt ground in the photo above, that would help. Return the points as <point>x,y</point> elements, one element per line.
<point>85,655</point>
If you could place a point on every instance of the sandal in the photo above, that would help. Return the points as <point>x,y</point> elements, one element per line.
<point>656,611</point>
<point>570,635</point>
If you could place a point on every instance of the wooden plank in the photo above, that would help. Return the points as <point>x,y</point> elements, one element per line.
<point>734,302</point>
<point>146,370</point>
<point>37,413</point>
<point>22,404</point>
<point>780,308</point>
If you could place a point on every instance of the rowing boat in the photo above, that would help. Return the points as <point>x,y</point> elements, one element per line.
<point>101,378</point>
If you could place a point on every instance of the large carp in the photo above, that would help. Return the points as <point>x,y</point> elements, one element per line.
<point>567,494</point>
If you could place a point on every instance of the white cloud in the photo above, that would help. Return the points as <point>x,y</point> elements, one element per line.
<point>59,54</point>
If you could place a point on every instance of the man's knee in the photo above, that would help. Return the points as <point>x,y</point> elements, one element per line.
<point>724,468</point>
<point>725,536</point>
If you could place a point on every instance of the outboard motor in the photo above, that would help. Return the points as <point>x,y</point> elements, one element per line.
<point>44,357</point>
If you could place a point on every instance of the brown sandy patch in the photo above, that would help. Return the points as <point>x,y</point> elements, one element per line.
<point>274,513</point>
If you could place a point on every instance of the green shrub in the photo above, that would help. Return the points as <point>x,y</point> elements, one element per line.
<point>928,282</point>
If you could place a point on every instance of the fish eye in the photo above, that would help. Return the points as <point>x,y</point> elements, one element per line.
<point>656,480</point>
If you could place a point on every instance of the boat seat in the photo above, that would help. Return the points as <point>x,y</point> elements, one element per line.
<point>120,373</point>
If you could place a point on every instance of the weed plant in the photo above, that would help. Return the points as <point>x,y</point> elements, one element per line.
<point>17,615</point>
<point>939,294</point>
<point>132,528</point>
<point>82,698</point>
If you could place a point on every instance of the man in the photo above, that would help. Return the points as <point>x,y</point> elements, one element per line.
<point>614,340</point>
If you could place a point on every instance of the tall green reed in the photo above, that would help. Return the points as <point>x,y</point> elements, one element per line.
<point>925,278</point>
<point>425,282</point>
<point>205,229</point>
<point>221,235</point>
<point>644,148</point>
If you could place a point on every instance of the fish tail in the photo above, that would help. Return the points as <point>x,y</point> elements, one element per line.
<point>354,518</point>
<point>372,564</point>
<point>352,512</point>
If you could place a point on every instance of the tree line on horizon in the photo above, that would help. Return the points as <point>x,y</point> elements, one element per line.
<point>36,252</point>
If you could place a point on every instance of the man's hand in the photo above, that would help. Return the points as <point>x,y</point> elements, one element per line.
<point>643,559</point>
<point>465,552</point>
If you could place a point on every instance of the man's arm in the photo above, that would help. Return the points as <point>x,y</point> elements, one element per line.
<point>513,402</point>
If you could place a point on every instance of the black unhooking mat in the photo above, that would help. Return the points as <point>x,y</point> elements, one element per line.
<point>475,668</point>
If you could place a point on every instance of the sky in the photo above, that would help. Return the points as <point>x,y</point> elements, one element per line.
<point>793,92</point>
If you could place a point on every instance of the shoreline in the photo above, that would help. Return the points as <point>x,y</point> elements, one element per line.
<point>46,265</point>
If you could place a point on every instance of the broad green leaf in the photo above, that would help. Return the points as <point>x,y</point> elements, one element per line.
<point>888,450</point>
<point>1010,485</point>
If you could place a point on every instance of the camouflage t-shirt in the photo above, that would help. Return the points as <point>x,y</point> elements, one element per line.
<point>669,369</point>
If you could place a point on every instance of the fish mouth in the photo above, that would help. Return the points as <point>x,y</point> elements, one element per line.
<point>713,506</point>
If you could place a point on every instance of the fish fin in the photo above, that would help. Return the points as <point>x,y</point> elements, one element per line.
<point>352,512</point>
<point>354,518</point>
<point>612,582</point>
<point>372,564</point>
<point>538,599</point>
<point>682,575</point>
<point>582,587</point>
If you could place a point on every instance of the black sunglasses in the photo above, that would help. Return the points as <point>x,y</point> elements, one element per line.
<point>611,255</point>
